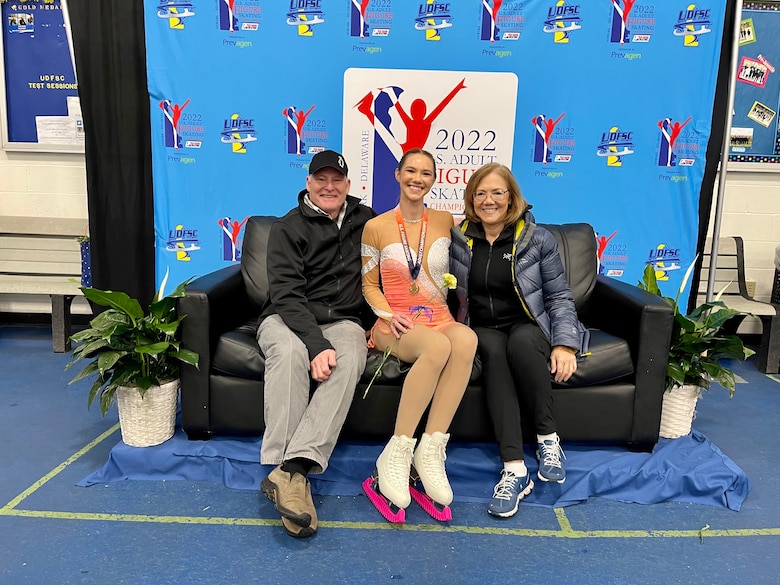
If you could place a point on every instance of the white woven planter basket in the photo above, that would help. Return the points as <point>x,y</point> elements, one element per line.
<point>150,420</point>
<point>679,409</point>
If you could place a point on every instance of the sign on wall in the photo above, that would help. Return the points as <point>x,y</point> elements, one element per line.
<point>382,120</point>
<point>602,109</point>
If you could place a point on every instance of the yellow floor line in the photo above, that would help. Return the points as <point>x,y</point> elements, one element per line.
<point>563,521</point>
<point>565,531</point>
<point>441,528</point>
<point>773,377</point>
<point>30,490</point>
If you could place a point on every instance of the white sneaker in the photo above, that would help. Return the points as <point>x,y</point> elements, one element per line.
<point>429,463</point>
<point>393,467</point>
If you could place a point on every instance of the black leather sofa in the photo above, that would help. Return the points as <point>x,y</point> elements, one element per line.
<point>615,396</point>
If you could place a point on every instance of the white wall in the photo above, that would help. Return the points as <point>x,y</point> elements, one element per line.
<point>42,185</point>
<point>751,209</point>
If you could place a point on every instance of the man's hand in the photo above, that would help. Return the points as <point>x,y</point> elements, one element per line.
<point>563,363</point>
<point>322,365</point>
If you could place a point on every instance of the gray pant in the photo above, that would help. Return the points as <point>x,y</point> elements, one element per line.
<point>294,425</point>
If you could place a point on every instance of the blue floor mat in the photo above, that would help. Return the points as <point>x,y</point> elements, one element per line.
<point>690,469</point>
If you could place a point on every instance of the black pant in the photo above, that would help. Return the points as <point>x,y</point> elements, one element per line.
<point>516,378</point>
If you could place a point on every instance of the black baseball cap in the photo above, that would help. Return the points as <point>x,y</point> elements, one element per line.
<point>328,158</point>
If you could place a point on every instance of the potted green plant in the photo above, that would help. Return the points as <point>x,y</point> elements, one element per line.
<point>136,356</point>
<point>697,346</point>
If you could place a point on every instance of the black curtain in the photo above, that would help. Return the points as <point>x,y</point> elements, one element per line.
<point>720,111</point>
<point>110,53</point>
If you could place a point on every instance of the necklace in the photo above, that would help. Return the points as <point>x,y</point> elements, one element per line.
<point>414,265</point>
<point>413,220</point>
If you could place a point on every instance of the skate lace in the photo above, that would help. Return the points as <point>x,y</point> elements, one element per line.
<point>435,455</point>
<point>506,485</point>
<point>399,462</point>
<point>551,454</point>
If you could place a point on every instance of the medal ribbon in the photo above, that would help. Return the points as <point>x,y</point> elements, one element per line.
<point>414,267</point>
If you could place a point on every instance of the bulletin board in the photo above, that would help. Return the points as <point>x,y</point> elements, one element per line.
<point>754,143</point>
<point>39,103</point>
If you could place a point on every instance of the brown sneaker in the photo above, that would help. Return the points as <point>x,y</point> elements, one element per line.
<point>296,531</point>
<point>311,509</point>
<point>289,495</point>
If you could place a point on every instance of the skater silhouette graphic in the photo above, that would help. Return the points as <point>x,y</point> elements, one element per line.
<point>623,12</point>
<point>671,131</point>
<point>418,125</point>
<point>297,119</point>
<point>232,229</point>
<point>172,113</point>
<point>545,127</point>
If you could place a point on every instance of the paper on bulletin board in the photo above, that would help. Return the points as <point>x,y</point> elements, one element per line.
<point>62,129</point>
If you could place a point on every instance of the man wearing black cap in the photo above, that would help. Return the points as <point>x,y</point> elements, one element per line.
<point>311,329</point>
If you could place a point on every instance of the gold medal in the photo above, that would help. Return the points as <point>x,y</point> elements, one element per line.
<point>414,265</point>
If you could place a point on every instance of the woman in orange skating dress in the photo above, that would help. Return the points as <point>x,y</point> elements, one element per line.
<point>409,247</point>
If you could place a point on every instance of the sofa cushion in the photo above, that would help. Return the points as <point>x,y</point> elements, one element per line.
<point>577,249</point>
<point>609,361</point>
<point>253,262</point>
<point>237,354</point>
<point>395,370</point>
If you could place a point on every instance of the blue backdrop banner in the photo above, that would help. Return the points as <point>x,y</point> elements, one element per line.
<point>602,110</point>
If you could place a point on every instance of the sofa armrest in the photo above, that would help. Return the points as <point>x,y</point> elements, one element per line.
<point>645,321</point>
<point>214,304</point>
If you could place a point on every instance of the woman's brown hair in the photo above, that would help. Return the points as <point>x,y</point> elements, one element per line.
<point>417,151</point>
<point>517,203</point>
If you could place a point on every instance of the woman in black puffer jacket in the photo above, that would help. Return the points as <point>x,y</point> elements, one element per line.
<point>513,292</point>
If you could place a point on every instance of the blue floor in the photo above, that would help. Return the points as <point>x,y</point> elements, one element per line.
<point>134,532</point>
